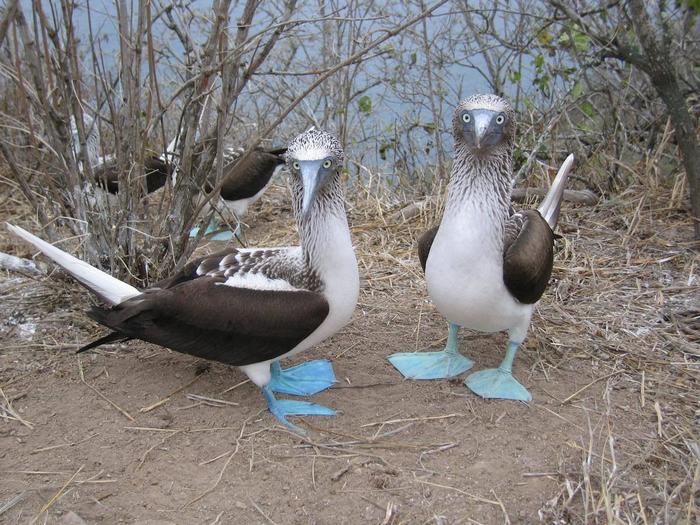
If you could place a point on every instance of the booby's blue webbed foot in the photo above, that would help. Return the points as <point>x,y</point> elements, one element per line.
<point>499,383</point>
<point>433,365</point>
<point>227,235</point>
<point>430,365</point>
<point>283,408</point>
<point>494,383</point>
<point>211,228</point>
<point>305,379</point>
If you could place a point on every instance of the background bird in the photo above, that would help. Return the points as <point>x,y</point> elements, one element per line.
<point>485,265</point>
<point>244,182</point>
<point>156,169</point>
<point>250,307</point>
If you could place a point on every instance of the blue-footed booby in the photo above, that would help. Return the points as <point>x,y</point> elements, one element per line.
<point>250,307</point>
<point>485,265</point>
<point>244,183</point>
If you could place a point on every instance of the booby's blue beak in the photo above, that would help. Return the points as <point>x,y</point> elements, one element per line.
<point>482,123</point>
<point>486,133</point>
<point>314,174</point>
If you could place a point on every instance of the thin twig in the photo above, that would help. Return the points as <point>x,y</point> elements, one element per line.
<point>58,494</point>
<point>262,513</point>
<point>171,394</point>
<point>405,420</point>
<point>117,407</point>
<point>472,496</point>
<point>572,396</point>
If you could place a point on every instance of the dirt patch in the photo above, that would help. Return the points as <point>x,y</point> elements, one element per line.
<point>135,432</point>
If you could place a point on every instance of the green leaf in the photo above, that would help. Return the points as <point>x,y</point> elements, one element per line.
<point>383,150</point>
<point>542,82</point>
<point>693,4</point>
<point>564,40</point>
<point>581,42</point>
<point>429,127</point>
<point>587,109</point>
<point>577,90</point>
<point>414,58</point>
<point>544,38</point>
<point>539,61</point>
<point>365,104</point>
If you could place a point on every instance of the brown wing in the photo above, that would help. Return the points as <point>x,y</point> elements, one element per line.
<point>189,271</point>
<point>245,179</point>
<point>224,263</point>
<point>205,318</point>
<point>155,170</point>
<point>528,256</point>
<point>425,242</point>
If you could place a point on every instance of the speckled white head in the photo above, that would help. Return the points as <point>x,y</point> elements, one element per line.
<point>315,144</point>
<point>314,159</point>
<point>489,102</point>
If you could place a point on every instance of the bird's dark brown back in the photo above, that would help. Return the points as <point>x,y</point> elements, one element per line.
<point>155,169</point>
<point>244,179</point>
<point>157,172</point>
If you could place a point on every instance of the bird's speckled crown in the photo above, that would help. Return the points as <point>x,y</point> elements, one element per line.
<point>491,102</point>
<point>315,144</point>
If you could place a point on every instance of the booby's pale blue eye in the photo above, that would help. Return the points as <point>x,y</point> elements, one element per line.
<point>467,118</point>
<point>295,165</point>
<point>500,119</point>
<point>327,163</point>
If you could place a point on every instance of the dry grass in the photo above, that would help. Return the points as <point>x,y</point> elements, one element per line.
<point>624,304</point>
<point>626,300</point>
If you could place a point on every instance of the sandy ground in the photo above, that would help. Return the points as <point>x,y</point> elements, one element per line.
<point>120,435</point>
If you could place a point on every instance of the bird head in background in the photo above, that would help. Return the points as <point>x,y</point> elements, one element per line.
<point>315,159</point>
<point>484,123</point>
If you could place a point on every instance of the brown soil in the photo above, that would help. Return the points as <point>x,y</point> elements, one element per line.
<point>605,432</point>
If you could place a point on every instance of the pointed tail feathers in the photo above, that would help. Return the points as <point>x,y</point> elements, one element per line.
<point>109,289</point>
<point>550,206</point>
<point>114,337</point>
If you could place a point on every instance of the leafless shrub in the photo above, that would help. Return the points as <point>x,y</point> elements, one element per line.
<point>384,75</point>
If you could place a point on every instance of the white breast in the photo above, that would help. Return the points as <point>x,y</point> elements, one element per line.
<point>464,274</point>
<point>337,267</point>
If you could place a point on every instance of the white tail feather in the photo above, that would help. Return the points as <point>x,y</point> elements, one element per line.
<point>549,208</point>
<point>110,289</point>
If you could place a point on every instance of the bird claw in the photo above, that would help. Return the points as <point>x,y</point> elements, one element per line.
<point>283,408</point>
